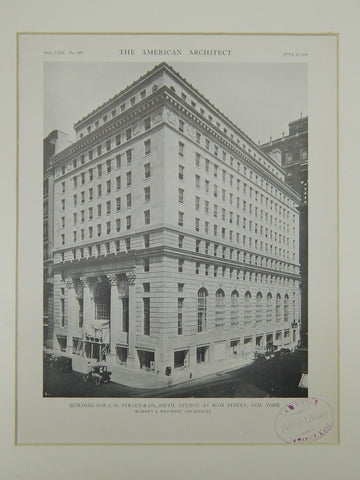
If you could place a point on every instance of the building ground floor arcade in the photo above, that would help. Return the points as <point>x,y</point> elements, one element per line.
<point>153,319</point>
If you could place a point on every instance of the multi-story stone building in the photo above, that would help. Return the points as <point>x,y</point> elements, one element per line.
<point>175,236</point>
<point>293,151</point>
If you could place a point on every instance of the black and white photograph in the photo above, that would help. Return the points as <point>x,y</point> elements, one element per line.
<point>175,238</point>
<point>177,243</point>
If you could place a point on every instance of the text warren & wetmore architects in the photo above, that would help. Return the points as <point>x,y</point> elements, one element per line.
<point>171,240</point>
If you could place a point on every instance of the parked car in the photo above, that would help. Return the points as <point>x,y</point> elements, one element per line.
<point>97,374</point>
<point>64,364</point>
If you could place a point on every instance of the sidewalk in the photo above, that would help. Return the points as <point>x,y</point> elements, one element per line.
<point>148,380</point>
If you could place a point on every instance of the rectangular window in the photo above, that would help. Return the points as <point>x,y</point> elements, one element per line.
<point>147,170</point>
<point>128,222</point>
<point>180,315</point>
<point>108,207</point>
<point>82,196</point>
<point>146,240</point>
<point>91,194</point>
<point>91,174</point>
<point>197,203</point>
<point>197,246</point>
<point>108,166</point>
<point>118,182</point>
<point>128,134</point>
<point>108,227</point>
<point>181,125</point>
<point>206,207</point>
<point>90,232</point>
<point>197,160</point>
<point>198,137</point>
<point>197,224</point>
<point>117,224</point>
<point>181,195</point>
<point>99,150</point>
<point>118,139</point>
<point>108,145</point>
<point>207,228</point>
<point>180,219</point>
<point>197,181</point>
<point>82,159</point>
<point>99,230</point>
<point>146,266</point>
<point>181,149</point>
<point>146,302</point>
<point>181,172</point>
<point>207,186</point>
<point>147,217</point>
<point>128,156</point>
<point>99,190</point>
<point>128,178</point>
<point>90,154</point>
<point>99,210</point>
<point>117,246</point>
<point>147,147</point>
<point>118,161</point>
<point>180,266</point>
<point>181,241</point>
<point>128,200</point>
<point>118,204</point>
<point>75,218</point>
<point>108,186</point>
<point>82,216</point>
<point>147,123</point>
<point>90,213</point>
<point>74,183</point>
<point>147,194</point>
<point>143,94</point>
<point>99,170</point>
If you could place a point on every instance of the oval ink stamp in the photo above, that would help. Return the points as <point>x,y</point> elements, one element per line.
<point>304,420</point>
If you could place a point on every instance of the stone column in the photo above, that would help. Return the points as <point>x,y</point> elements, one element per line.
<point>72,313</point>
<point>131,356</point>
<point>88,312</point>
<point>115,314</point>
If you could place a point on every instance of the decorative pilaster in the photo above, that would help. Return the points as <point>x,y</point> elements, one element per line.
<point>72,313</point>
<point>131,358</point>
<point>88,304</point>
<point>115,313</point>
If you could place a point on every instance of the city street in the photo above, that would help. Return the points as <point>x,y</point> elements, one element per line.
<point>278,377</point>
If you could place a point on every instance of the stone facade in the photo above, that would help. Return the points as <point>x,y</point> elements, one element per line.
<point>175,236</point>
<point>293,149</point>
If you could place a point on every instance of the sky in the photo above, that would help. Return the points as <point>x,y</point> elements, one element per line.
<point>260,98</point>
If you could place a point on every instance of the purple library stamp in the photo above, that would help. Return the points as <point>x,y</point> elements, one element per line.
<point>304,420</point>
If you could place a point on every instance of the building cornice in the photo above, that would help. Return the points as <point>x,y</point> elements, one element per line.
<point>132,255</point>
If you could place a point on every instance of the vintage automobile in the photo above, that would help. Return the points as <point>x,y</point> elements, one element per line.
<point>63,364</point>
<point>97,374</point>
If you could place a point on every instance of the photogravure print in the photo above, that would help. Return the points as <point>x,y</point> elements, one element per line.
<point>175,245</point>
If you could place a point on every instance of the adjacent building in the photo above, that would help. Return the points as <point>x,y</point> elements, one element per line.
<point>292,149</point>
<point>175,238</point>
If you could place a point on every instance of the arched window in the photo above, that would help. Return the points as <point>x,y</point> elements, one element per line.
<point>286,308</point>
<point>201,309</point>
<point>234,307</point>
<point>247,307</point>
<point>269,307</point>
<point>220,308</point>
<point>278,307</point>
<point>259,307</point>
